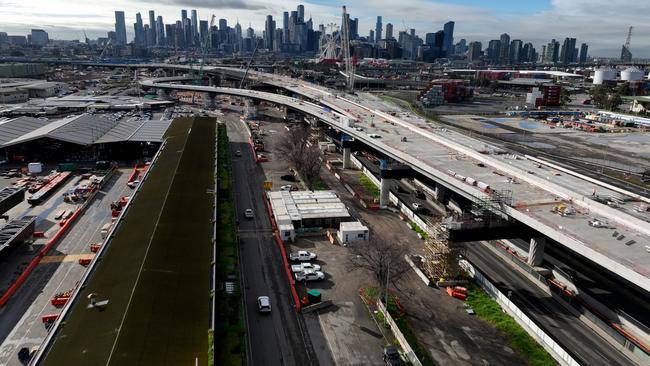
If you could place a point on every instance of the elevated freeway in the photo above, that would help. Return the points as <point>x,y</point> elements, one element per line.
<point>619,242</point>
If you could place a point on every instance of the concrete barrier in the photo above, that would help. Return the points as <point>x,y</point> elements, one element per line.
<point>550,345</point>
<point>408,351</point>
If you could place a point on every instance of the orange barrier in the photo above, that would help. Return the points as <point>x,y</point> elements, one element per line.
<point>292,283</point>
<point>59,301</point>
<point>134,174</point>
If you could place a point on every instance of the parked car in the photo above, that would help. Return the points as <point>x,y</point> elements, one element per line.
<point>287,187</point>
<point>133,184</point>
<point>309,275</point>
<point>302,256</point>
<point>392,357</point>
<point>248,213</point>
<point>288,177</point>
<point>264,304</point>
<point>416,206</point>
<point>300,267</point>
<point>374,135</point>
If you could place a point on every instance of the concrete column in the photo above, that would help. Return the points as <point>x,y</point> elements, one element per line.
<point>384,190</point>
<point>347,162</point>
<point>210,100</point>
<point>536,251</point>
<point>163,94</point>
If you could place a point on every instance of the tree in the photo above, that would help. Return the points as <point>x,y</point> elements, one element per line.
<point>384,259</point>
<point>604,97</point>
<point>298,151</point>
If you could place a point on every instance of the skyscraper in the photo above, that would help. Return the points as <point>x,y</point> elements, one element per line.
<point>474,52</point>
<point>494,51</point>
<point>153,34</point>
<point>552,51</point>
<point>195,26</point>
<point>301,14</point>
<point>160,31</point>
<point>39,37</point>
<point>269,32</point>
<point>568,48</point>
<point>183,28</point>
<point>504,53</point>
<point>389,31</point>
<point>285,27</point>
<point>371,35</point>
<point>223,24</point>
<point>515,51</point>
<point>583,53</point>
<point>378,28</point>
<point>140,38</point>
<point>120,28</point>
<point>448,44</point>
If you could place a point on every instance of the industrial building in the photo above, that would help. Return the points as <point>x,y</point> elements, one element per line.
<point>303,211</point>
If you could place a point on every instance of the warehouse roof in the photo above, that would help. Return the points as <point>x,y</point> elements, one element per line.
<point>85,129</point>
<point>299,205</point>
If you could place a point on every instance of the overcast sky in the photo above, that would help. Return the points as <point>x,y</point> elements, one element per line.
<point>602,24</point>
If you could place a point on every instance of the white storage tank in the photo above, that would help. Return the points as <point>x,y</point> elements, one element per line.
<point>34,168</point>
<point>604,74</point>
<point>632,74</point>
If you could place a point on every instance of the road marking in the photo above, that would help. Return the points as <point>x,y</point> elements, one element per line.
<point>65,258</point>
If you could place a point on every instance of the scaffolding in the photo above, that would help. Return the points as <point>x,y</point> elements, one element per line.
<point>441,254</point>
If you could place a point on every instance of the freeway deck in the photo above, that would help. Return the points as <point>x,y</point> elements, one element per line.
<point>156,271</point>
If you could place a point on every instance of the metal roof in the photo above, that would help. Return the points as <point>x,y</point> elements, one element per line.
<point>136,130</point>
<point>13,128</point>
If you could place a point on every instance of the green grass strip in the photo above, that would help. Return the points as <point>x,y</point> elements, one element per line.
<point>525,345</point>
<point>369,186</point>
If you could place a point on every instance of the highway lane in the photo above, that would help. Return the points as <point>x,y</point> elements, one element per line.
<point>20,320</point>
<point>577,338</point>
<point>278,338</point>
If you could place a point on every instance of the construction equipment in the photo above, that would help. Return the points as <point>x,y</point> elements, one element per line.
<point>248,66</point>
<point>626,55</point>
<point>345,47</point>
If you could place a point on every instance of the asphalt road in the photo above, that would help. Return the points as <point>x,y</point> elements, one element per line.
<point>278,338</point>
<point>579,340</point>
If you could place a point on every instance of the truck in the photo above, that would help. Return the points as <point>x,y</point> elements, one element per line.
<point>309,275</point>
<point>301,267</point>
<point>302,256</point>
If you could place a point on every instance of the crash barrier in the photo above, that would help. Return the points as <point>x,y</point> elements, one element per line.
<point>408,351</point>
<point>134,174</point>
<point>276,234</point>
<point>550,345</point>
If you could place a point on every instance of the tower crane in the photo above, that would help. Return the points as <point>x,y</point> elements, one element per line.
<point>626,55</point>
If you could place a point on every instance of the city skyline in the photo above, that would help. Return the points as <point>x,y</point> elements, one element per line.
<point>473,22</point>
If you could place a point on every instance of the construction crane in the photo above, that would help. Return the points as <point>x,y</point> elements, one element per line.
<point>345,47</point>
<point>86,40</point>
<point>108,43</point>
<point>250,61</point>
<point>626,55</point>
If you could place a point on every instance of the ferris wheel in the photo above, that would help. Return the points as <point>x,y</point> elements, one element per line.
<point>330,45</point>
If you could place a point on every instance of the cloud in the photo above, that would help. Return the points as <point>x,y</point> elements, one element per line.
<point>213,4</point>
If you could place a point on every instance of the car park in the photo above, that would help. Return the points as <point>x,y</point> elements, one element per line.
<point>264,304</point>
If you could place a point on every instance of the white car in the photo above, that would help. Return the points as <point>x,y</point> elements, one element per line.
<point>302,256</point>
<point>416,206</point>
<point>374,135</point>
<point>248,213</point>
<point>264,304</point>
<point>301,267</point>
<point>309,275</point>
<point>133,184</point>
<point>286,187</point>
